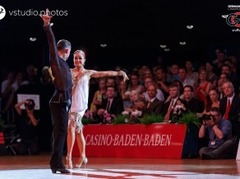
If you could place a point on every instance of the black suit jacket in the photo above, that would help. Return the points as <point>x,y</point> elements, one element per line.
<point>166,106</point>
<point>194,105</point>
<point>60,70</point>
<point>155,107</point>
<point>234,113</point>
<point>116,106</point>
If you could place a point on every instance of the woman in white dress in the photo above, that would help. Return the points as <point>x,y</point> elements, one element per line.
<point>80,93</point>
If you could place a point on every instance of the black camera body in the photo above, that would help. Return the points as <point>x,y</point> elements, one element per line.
<point>30,105</point>
<point>207,117</point>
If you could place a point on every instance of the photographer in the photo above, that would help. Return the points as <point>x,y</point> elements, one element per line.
<point>220,136</point>
<point>27,127</point>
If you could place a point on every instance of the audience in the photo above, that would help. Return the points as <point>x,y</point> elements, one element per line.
<point>149,90</point>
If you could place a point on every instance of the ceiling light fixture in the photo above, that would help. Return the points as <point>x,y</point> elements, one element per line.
<point>163,46</point>
<point>189,27</point>
<point>103,45</point>
<point>32,39</point>
<point>182,43</point>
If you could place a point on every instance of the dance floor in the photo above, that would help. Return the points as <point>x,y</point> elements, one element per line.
<point>36,167</point>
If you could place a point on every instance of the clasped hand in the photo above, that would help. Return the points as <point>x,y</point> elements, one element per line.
<point>123,73</point>
<point>46,18</point>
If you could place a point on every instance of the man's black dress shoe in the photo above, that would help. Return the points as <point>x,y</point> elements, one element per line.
<point>60,170</point>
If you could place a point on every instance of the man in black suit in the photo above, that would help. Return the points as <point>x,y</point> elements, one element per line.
<point>230,110</point>
<point>231,113</point>
<point>174,94</point>
<point>112,104</point>
<point>61,99</point>
<point>154,105</point>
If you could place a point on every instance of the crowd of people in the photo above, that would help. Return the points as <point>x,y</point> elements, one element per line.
<point>211,91</point>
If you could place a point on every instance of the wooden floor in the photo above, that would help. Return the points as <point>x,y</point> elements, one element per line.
<point>36,167</point>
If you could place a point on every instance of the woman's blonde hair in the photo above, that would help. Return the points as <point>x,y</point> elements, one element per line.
<point>80,51</point>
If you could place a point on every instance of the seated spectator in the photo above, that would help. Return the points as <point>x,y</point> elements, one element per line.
<point>192,104</point>
<point>180,86</point>
<point>191,74</point>
<point>174,95</point>
<point>124,93</point>
<point>178,110</point>
<point>134,83</point>
<point>172,74</point>
<point>222,79</point>
<point>220,136</point>
<point>212,99</point>
<point>154,105</point>
<point>212,77</point>
<point>160,78</point>
<point>230,107</point>
<point>138,104</point>
<point>182,75</point>
<point>203,86</point>
<point>27,124</point>
<point>147,82</point>
<point>112,105</point>
<point>233,76</point>
<point>99,94</point>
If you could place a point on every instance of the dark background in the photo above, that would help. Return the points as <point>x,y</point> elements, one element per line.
<point>132,30</point>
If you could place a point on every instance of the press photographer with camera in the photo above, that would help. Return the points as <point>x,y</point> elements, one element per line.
<point>26,124</point>
<point>219,131</point>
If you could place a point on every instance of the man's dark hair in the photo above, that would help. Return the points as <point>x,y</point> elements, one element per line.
<point>62,44</point>
<point>190,87</point>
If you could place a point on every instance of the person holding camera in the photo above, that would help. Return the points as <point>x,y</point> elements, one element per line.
<point>27,123</point>
<point>219,132</point>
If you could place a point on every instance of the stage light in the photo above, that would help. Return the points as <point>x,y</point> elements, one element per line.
<point>182,43</point>
<point>163,46</point>
<point>189,27</point>
<point>32,39</point>
<point>103,45</point>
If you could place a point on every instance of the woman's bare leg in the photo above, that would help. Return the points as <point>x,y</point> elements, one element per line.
<point>70,144</point>
<point>82,149</point>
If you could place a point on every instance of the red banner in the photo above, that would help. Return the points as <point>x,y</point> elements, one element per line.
<point>134,140</point>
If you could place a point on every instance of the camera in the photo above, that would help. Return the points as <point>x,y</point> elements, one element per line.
<point>207,117</point>
<point>30,105</point>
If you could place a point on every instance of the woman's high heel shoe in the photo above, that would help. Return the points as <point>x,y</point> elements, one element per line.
<point>69,164</point>
<point>83,161</point>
